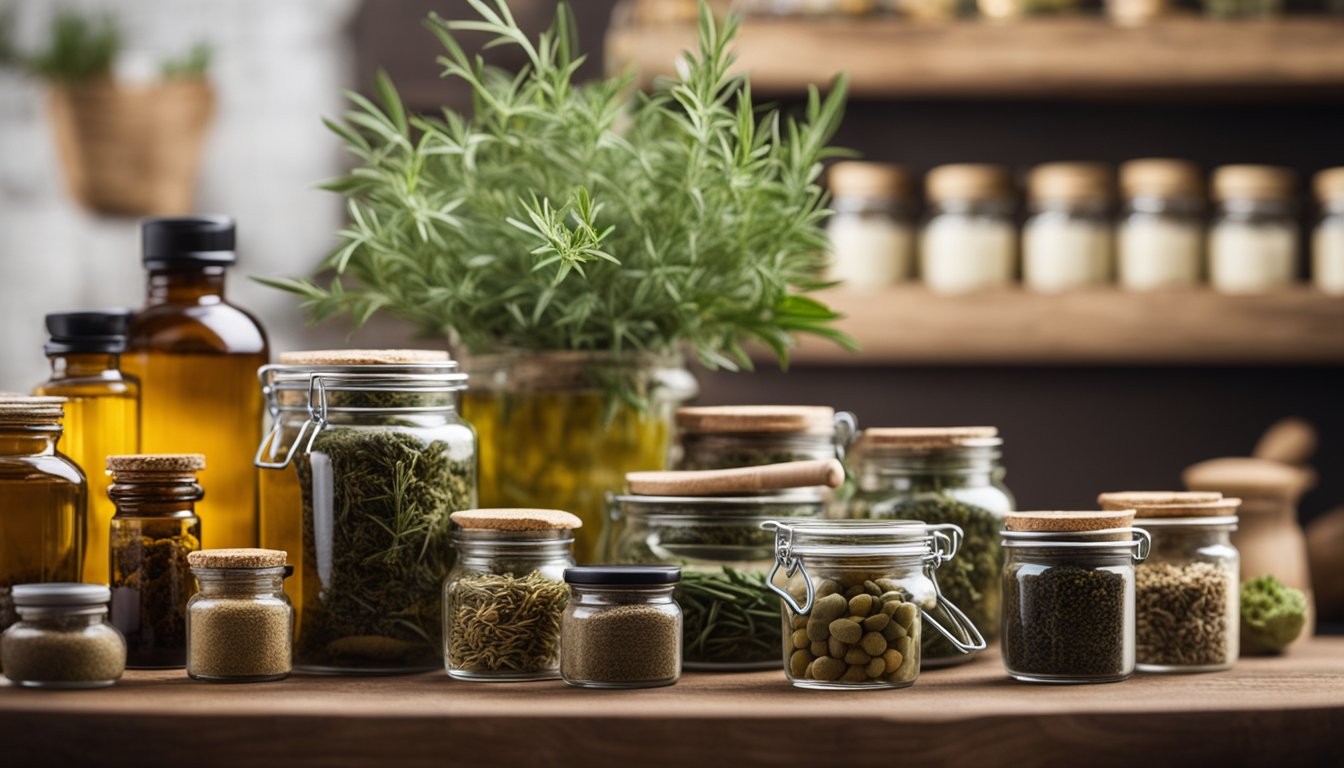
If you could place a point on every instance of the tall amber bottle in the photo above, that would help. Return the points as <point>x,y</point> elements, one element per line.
<point>102,411</point>
<point>197,357</point>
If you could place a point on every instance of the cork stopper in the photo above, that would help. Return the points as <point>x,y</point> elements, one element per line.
<point>365,357</point>
<point>1254,182</point>
<point>33,411</point>
<point>716,482</point>
<point>237,558</point>
<point>1115,500</point>
<point>852,178</point>
<point>926,437</point>
<point>1329,184</point>
<point>726,419</point>
<point>1249,478</point>
<point>1224,507</point>
<point>1070,182</point>
<point>1068,522</point>
<point>1161,177</point>
<point>968,181</point>
<point>516,519</point>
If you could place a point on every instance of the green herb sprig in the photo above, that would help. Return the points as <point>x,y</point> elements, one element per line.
<point>729,617</point>
<point>80,48</point>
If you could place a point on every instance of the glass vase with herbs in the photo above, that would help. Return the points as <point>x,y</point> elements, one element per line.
<point>589,232</point>
<point>941,475</point>
<point>725,436</point>
<point>381,461</point>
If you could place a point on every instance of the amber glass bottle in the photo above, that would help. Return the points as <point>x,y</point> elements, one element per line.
<point>102,411</point>
<point>197,357</point>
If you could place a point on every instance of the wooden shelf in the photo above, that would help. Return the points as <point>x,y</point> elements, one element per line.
<point>909,325</point>
<point>1072,57</point>
<point>1280,711</point>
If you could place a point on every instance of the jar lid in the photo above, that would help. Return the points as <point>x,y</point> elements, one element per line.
<point>27,410</point>
<point>1068,521</point>
<point>1329,184</point>
<point>855,537</point>
<point>516,519</point>
<point>1249,478</point>
<point>852,178</point>
<point>60,594</point>
<point>1070,182</point>
<point>1115,500</point>
<point>237,558</point>
<point>928,437</point>
<point>364,357</point>
<point>188,240</point>
<point>1222,508</point>
<point>1161,177</point>
<point>713,482</point>
<point>1254,182</point>
<point>97,331</point>
<point>724,419</point>
<point>968,181</point>
<point>156,464</point>
<point>623,575</point>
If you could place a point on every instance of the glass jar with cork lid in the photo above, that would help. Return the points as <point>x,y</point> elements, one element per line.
<point>240,626</point>
<point>969,240</point>
<point>871,227</point>
<point>726,436</point>
<point>622,628</point>
<point>504,599</point>
<point>1327,241</point>
<point>1253,237</point>
<point>1160,235</point>
<point>1067,240</point>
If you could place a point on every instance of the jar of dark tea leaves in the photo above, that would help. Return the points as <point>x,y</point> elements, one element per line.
<point>62,638</point>
<point>723,436</point>
<point>622,628</point>
<point>240,626</point>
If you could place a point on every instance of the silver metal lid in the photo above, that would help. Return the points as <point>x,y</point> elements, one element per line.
<point>60,594</point>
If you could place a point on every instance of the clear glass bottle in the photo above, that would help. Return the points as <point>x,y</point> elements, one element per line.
<point>1160,235</point>
<point>969,239</point>
<point>856,595</point>
<point>62,638</point>
<point>1068,596</point>
<point>382,459</point>
<point>622,628</point>
<point>196,357</point>
<point>1253,237</point>
<point>719,437</point>
<point>102,411</point>
<point>240,625</point>
<point>153,533</point>
<point>871,228</point>
<point>1067,239</point>
<point>1327,242</point>
<point>942,475</point>
<point>43,499</point>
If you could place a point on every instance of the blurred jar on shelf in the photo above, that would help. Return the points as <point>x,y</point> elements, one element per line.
<point>1135,13</point>
<point>1066,242</point>
<point>969,240</point>
<point>1160,235</point>
<point>1327,243</point>
<point>871,230</point>
<point>924,10</point>
<point>1253,237</point>
<point>797,7</point>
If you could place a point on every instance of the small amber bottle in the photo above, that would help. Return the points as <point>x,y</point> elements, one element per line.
<point>154,530</point>
<point>102,412</point>
<point>197,357</point>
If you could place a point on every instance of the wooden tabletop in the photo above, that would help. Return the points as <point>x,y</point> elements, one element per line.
<point>1282,711</point>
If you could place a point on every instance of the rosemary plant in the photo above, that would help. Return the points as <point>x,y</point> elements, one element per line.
<point>566,216</point>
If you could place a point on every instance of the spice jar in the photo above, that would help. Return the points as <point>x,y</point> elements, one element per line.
<point>62,638</point>
<point>969,240</point>
<point>622,628</point>
<point>856,595</point>
<point>153,532</point>
<point>42,499</point>
<point>503,600</point>
<point>240,626</point>
<point>724,436</point>
<point>1327,242</point>
<point>871,228</point>
<point>1253,238</point>
<point>725,556</point>
<point>1160,236</point>
<point>373,443</point>
<point>1068,595</point>
<point>1066,242</point>
<point>942,475</point>
<point>1187,593</point>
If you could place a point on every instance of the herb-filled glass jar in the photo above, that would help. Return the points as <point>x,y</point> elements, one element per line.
<point>942,475</point>
<point>856,596</point>
<point>969,241</point>
<point>42,499</point>
<point>1068,595</point>
<point>725,436</point>
<point>62,638</point>
<point>153,532</point>
<point>729,615</point>
<point>622,628</point>
<point>381,457</point>
<point>1067,241</point>
<point>504,599</point>
<point>1188,591</point>
<point>1253,237</point>
<point>240,626</point>
<point>1160,235</point>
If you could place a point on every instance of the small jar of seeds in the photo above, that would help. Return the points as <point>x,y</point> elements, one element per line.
<point>723,436</point>
<point>856,596</point>
<point>1187,593</point>
<point>504,599</point>
<point>1068,595</point>
<point>622,628</point>
<point>240,626</point>
<point>62,638</point>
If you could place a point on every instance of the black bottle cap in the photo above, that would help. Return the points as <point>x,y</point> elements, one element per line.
<point>94,331</point>
<point>623,575</point>
<point>188,241</point>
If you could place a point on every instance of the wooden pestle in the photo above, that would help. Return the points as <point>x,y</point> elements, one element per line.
<point>710,482</point>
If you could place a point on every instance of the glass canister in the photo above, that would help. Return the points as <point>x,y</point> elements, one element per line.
<point>1067,240</point>
<point>1327,240</point>
<point>153,532</point>
<point>856,596</point>
<point>871,228</point>
<point>724,436</point>
<point>942,475</point>
<point>1160,235</point>
<point>504,599</point>
<point>969,240</point>
<point>240,626</point>
<point>622,628</point>
<point>381,460</point>
<point>1187,593</point>
<point>1253,237</point>
<point>1068,595</point>
<point>62,638</point>
<point>43,498</point>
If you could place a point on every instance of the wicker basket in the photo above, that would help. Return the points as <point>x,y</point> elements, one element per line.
<point>132,150</point>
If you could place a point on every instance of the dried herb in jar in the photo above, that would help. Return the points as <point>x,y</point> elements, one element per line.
<point>501,623</point>
<point>1065,620</point>
<point>1182,614</point>
<point>622,644</point>
<point>151,584</point>
<point>729,617</point>
<point>860,631</point>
